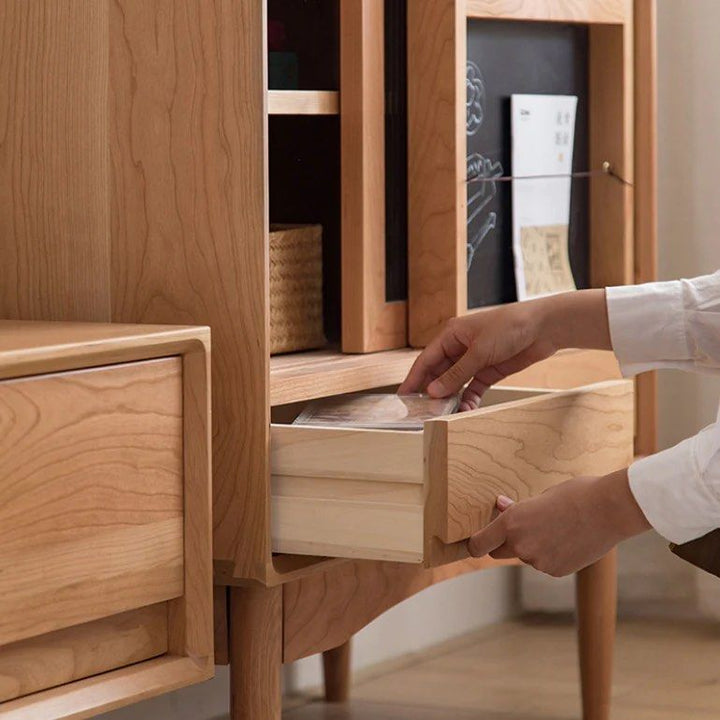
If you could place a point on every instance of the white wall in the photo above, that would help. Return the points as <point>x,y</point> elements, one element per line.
<point>442,612</point>
<point>689,129</point>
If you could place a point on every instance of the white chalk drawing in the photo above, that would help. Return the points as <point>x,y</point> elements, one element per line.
<point>478,166</point>
<point>481,167</point>
<point>475,98</point>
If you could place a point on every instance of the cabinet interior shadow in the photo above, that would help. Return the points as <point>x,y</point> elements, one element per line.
<point>304,170</point>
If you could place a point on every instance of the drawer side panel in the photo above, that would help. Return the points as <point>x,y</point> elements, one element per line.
<point>522,449</point>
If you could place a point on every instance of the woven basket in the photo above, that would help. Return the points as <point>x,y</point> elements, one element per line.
<point>296,302</point>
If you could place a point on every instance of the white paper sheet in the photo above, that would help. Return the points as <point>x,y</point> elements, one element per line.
<point>543,138</point>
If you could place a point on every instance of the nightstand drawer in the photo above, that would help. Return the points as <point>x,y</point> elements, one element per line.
<point>91,495</point>
<point>413,496</point>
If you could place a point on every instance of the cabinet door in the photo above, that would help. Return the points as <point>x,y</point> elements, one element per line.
<point>460,240</point>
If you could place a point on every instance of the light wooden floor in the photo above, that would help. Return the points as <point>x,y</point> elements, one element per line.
<point>527,670</point>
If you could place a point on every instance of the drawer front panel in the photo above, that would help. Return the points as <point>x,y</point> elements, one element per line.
<point>79,652</point>
<point>521,449</point>
<point>91,495</point>
<point>347,493</point>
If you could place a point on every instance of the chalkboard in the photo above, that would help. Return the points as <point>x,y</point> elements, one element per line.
<point>505,58</point>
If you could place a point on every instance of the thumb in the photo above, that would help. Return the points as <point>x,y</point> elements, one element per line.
<point>503,502</point>
<point>455,377</point>
<point>488,539</point>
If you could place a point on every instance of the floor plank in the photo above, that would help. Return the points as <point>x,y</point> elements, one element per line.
<point>527,670</point>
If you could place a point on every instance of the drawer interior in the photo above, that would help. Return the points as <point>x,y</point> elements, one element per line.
<point>343,492</point>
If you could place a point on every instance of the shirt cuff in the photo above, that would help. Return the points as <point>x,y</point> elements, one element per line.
<point>647,325</point>
<point>673,495</point>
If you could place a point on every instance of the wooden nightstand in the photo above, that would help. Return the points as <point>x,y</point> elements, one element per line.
<point>105,550</point>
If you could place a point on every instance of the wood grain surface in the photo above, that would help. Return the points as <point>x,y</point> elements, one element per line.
<point>347,493</point>
<point>323,611</point>
<point>91,503</point>
<point>108,691</point>
<point>105,499</point>
<point>188,145</point>
<point>337,672</point>
<point>54,180</point>
<point>74,653</point>
<point>612,130</point>
<point>133,188</point>
<point>611,12</point>
<point>388,456</point>
<point>369,323</point>
<point>597,620</point>
<point>437,200</point>
<point>256,632</point>
<point>220,623</point>
<point>646,215</point>
<point>520,449</point>
<point>304,376</point>
<point>190,631</point>
<point>303,102</point>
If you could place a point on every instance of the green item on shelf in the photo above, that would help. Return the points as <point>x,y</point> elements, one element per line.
<point>282,71</point>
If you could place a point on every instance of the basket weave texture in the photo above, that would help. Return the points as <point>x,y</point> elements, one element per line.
<point>296,302</point>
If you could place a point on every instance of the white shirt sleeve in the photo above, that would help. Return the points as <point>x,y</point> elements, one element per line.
<point>673,325</point>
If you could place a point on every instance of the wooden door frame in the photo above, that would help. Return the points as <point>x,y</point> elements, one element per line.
<point>437,54</point>
<point>369,322</point>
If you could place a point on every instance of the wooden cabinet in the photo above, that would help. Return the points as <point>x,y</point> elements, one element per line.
<point>137,182</point>
<point>173,226</point>
<point>104,516</point>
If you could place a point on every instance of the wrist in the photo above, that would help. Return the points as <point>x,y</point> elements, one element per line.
<point>575,320</point>
<point>618,507</point>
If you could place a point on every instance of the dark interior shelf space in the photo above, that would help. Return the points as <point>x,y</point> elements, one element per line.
<point>304,44</point>
<point>304,165</point>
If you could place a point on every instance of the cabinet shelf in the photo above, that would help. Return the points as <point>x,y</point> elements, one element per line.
<point>612,12</point>
<point>303,102</point>
<point>320,373</point>
<point>308,375</point>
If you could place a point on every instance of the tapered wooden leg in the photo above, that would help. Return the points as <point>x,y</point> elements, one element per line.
<point>597,611</point>
<point>255,652</point>
<point>336,665</point>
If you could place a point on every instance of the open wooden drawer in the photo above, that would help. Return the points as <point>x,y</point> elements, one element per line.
<point>105,580</point>
<point>415,496</point>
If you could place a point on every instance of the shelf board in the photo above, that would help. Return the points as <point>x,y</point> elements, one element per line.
<point>303,102</point>
<point>320,373</point>
<point>611,12</point>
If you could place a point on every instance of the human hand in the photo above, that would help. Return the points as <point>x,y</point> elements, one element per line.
<point>486,346</point>
<point>483,347</point>
<point>567,528</point>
